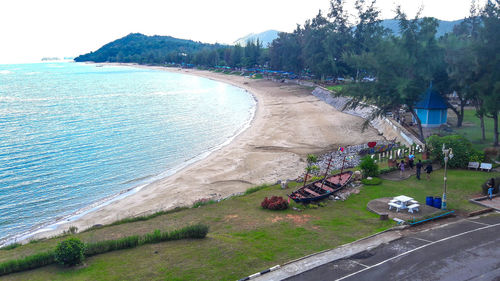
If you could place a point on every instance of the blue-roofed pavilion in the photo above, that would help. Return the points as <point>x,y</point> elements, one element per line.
<point>431,109</point>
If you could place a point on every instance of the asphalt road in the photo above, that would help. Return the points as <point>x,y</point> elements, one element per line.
<point>466,250</point>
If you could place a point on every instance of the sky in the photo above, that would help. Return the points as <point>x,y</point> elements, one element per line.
<point>33,29</point>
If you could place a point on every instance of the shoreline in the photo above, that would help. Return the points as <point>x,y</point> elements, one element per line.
<point>237,160</point>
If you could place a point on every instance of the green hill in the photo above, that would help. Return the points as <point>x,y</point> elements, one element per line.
<point>140,48</point>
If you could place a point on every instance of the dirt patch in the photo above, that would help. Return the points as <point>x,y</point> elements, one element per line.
<point>297,219</point>
<point>230,217</point>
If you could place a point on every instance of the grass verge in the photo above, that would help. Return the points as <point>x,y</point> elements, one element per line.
<point>245,238</point>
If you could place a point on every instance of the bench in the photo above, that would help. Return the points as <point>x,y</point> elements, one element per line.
<point>413,202</point>
<point>413,207</point>
<point>473,165</point>
<point>397,206</point>
<point>311,192</point>
<point>486,166</point>
<point>323,186</point>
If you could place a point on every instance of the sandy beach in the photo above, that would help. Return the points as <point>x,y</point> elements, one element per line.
<point>289,123</point>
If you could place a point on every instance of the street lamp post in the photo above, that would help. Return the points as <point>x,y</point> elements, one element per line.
<point>448,154</point>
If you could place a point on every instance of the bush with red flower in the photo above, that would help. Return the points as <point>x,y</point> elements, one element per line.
<point>274,203</point>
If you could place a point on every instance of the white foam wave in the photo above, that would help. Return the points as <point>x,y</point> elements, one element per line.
<point>5,72</point>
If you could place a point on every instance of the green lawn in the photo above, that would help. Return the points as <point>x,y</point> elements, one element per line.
<point>335,88</point>
<point>471,129</point>
<point>243,237</point>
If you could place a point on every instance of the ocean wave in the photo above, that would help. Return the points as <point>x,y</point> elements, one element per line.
<point>5,72</point>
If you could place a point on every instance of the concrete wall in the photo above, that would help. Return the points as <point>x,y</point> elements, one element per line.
<point>389,129</point>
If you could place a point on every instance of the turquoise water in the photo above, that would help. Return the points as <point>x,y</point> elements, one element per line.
<point>72,134</point>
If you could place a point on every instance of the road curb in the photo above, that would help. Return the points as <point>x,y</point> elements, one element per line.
<point>313,260</point>
<point>255,275</point>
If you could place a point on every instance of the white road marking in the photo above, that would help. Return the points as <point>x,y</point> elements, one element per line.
<point>482,223</point>
<point>421,239</point>
<point>359,263</point>
<point>418,248</point>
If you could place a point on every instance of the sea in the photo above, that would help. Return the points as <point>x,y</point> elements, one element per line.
<point>74,136</point>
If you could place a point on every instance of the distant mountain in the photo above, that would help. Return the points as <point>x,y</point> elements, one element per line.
<point>140,48</point>
<point>265,37</point>
<point>268,36</point>
<point>443,28</point>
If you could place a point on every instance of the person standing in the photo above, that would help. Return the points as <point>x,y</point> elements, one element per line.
<point>411,158</point>
<point>491,186</point>
<point>428,169</point>
<point>401,168</point>
<point>419,168</point>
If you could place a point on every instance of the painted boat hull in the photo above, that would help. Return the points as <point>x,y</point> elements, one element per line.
<point>322,188</point>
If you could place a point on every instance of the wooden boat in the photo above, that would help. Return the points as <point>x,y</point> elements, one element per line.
<point>322,188</point>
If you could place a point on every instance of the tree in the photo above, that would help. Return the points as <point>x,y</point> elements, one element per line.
<point>252,53</point>
<point>285,52</point>
<point>313,48</point>
<point>460,60</point>
<point>404,67</point>
<point>237,55</point>
<point>339,38</point>
<point>367,33</point>
<point>488,63</point>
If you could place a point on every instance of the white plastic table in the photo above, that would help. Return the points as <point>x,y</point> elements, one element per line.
<point>403,199</point>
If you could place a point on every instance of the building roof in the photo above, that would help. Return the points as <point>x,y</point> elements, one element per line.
<point>431,100</point>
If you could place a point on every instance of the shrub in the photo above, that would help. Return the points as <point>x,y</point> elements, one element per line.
<point>313,169</point>
<point>71,230</point>
<point>274,203</point>
<point>387,170</point>
<point>26,263</point>
<point>311,158</point>
<point>462,150</point>
<point>196,231</point>
<point>70,252</point>
<point>112,245</point>
<point>203,202</point>
<point>373,181</point>
<point>476,156</point>
<point>10,246</point>
<point>149,238</point>
<point>369,167</point>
